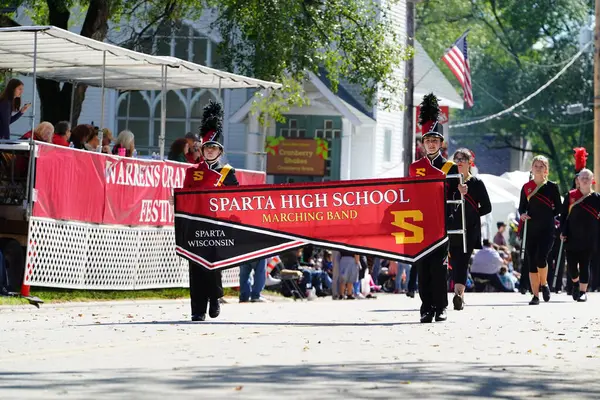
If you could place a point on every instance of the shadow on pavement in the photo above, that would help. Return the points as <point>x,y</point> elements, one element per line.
<point>255,323</point>
<point>448,380</point>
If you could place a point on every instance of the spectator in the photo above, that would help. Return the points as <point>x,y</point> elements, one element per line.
<point>252,291</point>
<point>125,140</point>
<point>486,266</point>
<point>43,133</point>
<point>107,138</point>
<point>349,267</point>
<point>179,150</point>
<point>499,238</point>
<point>80,135</point>
<point>92,141</point>
<point>10,102</point>
<point>508,280</point>
<point>62,134</point>
<point>192,154</point>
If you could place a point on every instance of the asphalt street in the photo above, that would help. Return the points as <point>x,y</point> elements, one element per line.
<point>497,347</point>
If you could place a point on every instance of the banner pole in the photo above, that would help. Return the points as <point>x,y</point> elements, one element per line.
<point>557,266</point>
<point>462,211</point>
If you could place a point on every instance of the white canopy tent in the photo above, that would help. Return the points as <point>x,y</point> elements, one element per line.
<point>504,203</point>
<point>54,53</point>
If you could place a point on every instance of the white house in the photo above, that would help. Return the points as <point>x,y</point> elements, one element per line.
<point>364,142</point>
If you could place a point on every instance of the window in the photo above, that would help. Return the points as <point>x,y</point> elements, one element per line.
<point>387,145</point>
<point>140,110</point>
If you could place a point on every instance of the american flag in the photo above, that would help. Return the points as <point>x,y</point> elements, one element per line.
<point>457,60</point>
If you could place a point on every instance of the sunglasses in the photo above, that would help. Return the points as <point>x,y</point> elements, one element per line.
<point>460,160</point>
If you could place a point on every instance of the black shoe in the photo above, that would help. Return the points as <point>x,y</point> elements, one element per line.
<point>534,301</point>
<point>458,302</point>
<point>410,294</point>
<point>582,297</point>
<point>196,318</point>
<point>214,309</point>
<point>440,315</point>
<point>546,293</point>
<point>427,318</point>
<point>575,292</point>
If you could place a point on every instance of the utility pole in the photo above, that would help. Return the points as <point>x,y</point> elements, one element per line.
<point>597,92</point>
<point>408,140</point>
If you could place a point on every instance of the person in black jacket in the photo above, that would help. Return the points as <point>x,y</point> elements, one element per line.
<point>540,204</point>
<point>432,268</point>
<point>579,231</point>
<point>477,204</point>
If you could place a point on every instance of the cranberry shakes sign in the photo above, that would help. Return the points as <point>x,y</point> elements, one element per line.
<point>397,219</point>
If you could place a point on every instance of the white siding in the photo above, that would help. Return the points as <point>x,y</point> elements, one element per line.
<point>362,153</point>
<point>393,120</point>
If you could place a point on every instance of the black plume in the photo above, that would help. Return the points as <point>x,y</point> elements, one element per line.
<point>212,119</point>
<point>430,110</point>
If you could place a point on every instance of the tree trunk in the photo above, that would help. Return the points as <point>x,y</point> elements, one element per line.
<point>56,101</point>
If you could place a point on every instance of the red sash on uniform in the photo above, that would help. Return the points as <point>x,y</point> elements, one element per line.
<point>532,189</point>
<point>423,167</point>
<point>576,197</point>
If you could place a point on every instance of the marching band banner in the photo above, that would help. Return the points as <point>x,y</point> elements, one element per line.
<point>400,219</point>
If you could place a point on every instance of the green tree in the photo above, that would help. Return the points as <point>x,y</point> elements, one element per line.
<point>514,48</point>
<point>266,39</point>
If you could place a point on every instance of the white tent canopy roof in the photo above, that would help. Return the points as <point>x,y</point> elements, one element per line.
<point>69,57</point>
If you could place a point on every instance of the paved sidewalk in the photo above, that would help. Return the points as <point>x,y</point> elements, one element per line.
<point>498,347</point>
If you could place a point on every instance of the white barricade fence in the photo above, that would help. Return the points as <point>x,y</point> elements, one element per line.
<point>75,255</point>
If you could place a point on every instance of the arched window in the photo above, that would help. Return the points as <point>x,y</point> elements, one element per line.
<point>140,111</point>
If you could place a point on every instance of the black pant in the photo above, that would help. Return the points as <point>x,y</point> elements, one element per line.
<point>204,285</point>
<point>433,284</point>
<point>494,280</point>
<point>579,265</point>
<point>537,249</point>
<point>460,264</point>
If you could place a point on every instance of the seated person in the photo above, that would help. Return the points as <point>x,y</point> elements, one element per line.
<point>486,266</point>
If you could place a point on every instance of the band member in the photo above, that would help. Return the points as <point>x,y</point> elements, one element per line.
<point>540,203</point>
<point>579,231</point>
<point>432,268</point>
<point>206,286</point>
<point>477,204</point>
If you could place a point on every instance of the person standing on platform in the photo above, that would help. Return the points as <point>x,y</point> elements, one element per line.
<point>579,231</point>
<point>477,204</point>
<point>432,268</point>
<point>206,286</point>
<point>540,204</point>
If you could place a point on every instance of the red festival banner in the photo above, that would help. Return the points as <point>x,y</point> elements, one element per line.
<point>99,188</point>
<point>400,219</point>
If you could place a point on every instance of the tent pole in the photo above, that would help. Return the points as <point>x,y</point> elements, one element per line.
<point>128,108</point>
<point>30,174</point>
<point>73,86</point>
<point>163,113</point>
<point>33,100</point>
<point>101,132</point>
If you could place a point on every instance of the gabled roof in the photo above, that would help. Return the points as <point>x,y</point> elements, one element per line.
<point>67,56</point>
<point>346,110</point>
<point>429,78</point>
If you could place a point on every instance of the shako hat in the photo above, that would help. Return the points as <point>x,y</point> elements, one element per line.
<point>211,129</point>
<point>429,117</point>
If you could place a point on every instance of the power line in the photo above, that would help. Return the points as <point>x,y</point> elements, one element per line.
<point>526,99</point>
